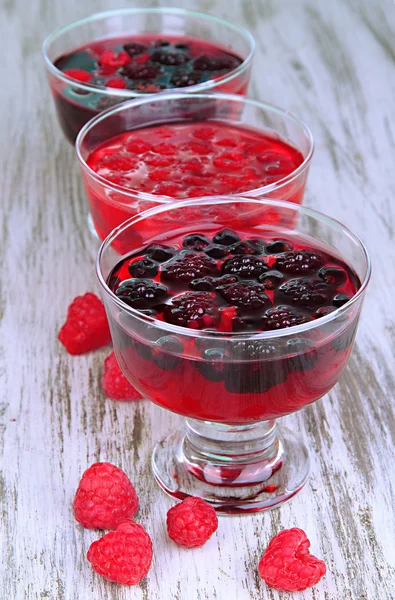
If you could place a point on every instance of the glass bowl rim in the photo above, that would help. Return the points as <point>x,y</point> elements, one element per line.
<point>175,96</point>
<point>229,336</point>
<point>130,94</point>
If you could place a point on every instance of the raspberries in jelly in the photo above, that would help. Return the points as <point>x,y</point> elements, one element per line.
<point>304,291</point>
<point>246,294</point>
<point>134,48</point>
<point>208,284</point>
<point>300,261</point>
<point>124,555</point>
<point>104,498</point>
<point>195,310</point>
<point>287,563</point>
<point>141,293</point>
<point>191,522</point>
<point>271,279</point>
<point>281,317</point>
<point>195,242</point>
<point>86,327</point>
<point>142,72</point>
<point>114,383</point>
<point>188,265</point>
<point>247,267</point>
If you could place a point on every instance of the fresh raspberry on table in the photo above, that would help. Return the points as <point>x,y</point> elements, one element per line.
<point>124,555</point>
<point>86,327</point>
<point>191,522</point>
<point>114,383</point>
<point>105,497</point>
<point>287,563</point>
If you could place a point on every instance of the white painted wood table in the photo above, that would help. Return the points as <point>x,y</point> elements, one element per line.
<point>332,63</point>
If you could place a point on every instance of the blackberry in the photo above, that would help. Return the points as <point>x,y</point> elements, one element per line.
<point>254,350</point>
<point>216,251</point>
<point>160,43</point>
<point>278,247</point>
<point>255,377</point>
<point>247,267</point>
<point>213,365</point>
<point>195,310</point>
<point>208,284</point>
<point>282,317</point>
<point>333,276</point>
<point>170,59</point>
<point>187,266</point>
<point>340,299</point>
<point>195,242</point>
<point>246,323</point>
<point>140,293</point>
<point>226,237</point>
<point>323,311</point>
<point>165,351</point>
<point>259,244</point>
<point>185,79</point>
<point>271,279</point>
<point>211,63</point>
<point>142,72</point>
<point>304,291</point>
<point>344,340</point>
<point>159,252</point>
<point>133,48</point>
<point>248,295</point>
<point>145,268</point>
<point>300,261</point>
<point>181,46</point>
<point>306,356</point>
<point>243,248</point>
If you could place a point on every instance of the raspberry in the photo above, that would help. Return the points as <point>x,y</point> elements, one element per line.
<point>109,58</point>
<point>116,83</point>
<point>278,247</point>
<point>271,279</point>
<point>117,162</point>
<point>146,267</point>
<point>165,148</point>
<point>105,497</point>
<point>229,160</point>
<point>171,59</point>
<point>140,293</point>
<point>124,555</point>
<point>208,284</point>
<point>245,294</point>
<point>195,242</point>
<point>247,267</point>
<point>226,237</point>
<point>191,522</point>
<point>86,327</point>
<point>114,383</point>
<point>282,317</point>
<point>195,310</point>
<point>204,133</point>
<point>184,79</point>
<point>134,48</point>
<point>137,146</point>
<point>187,266</point>
<point>287,563</point>
<point>159,252</point>
<point>333,276</point>
<point>301,261</point>
<point>78,74</point>
<point>304,291</point>
<point>143,72</point>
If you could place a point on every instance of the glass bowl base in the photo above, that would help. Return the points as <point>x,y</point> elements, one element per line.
<point>232,484</point>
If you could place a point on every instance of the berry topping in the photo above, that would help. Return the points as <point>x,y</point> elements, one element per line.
<point>104,498</point>
<point>134,48</point>
<point>124,555</point>
<point>247,267</point>
<point>304,291</point>
<point>216,251</point>
<point>187,266</point>
<point>140,293</point>
<point>245,294</point>
<point>78,74</point>
<point>244,248</point>
<point>208,284</point>
<point>191,522</point>
<point>160,253</point>
<point>300,261</point>
<point>114,383</point>
<point>251,350</point>
<point>333,276</point>
<point>278,247</point>
<point>195,242</point>
<point>271,279</point>
<point>281,317</point>
<point>195,310</point>
<point>184,79</point>
<point>287,563</point>
<point>86,327</point>
<point>340,299</point>
<point>142,72</point>
<point>226,237</point>
<point>146,267</point>
<point>170,58</point>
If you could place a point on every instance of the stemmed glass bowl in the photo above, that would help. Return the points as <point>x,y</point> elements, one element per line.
<point>230,450</point>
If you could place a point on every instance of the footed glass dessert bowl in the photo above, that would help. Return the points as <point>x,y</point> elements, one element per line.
<point>232,312</point>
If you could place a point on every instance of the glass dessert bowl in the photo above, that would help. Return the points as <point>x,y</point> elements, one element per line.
<point>175,146</point>
<point>117,55</point>
<point>231,318</point>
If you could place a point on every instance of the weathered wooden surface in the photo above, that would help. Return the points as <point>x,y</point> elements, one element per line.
<point>332,62</point>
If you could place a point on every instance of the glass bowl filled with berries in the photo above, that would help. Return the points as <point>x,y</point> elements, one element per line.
<point>117,55</point>
<point>232,312</point>
<point>176,146</point>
